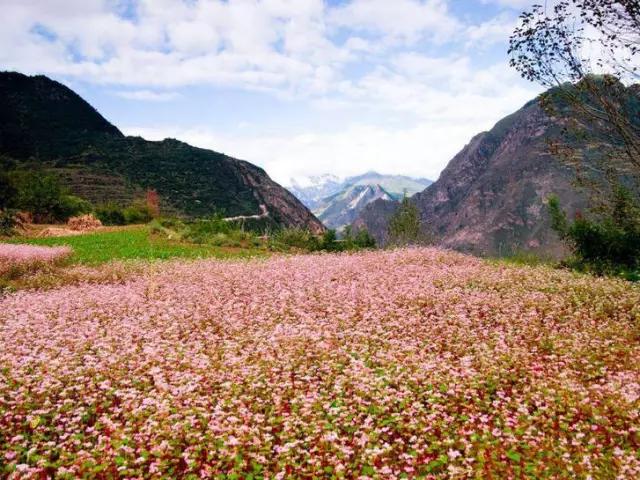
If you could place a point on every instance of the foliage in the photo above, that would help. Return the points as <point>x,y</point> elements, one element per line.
<point>152,202</point>
<point>559,48</point>
<point>8,191</point>
<point>138,213</point>
<point>132,243</point>
<point>610,244</point>
<point>203,229</point>
<point>555,45</point>
<point>7,222</point>
<point>361,239</point>
<point>298,238</point>
<point>404,225</point>
<point>43,196</point>
<point>110,214</point>
<point>329,241</point>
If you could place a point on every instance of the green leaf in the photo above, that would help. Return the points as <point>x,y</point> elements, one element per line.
<point>513,455</point>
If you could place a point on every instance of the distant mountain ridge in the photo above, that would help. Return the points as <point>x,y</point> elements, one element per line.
<point>491,197</point>
<point>337,203</point>
<point>45,125</point>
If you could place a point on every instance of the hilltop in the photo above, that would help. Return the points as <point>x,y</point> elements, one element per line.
<point>45,125</point>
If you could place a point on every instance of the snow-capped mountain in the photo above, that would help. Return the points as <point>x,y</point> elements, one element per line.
<point>337,202</point>
<point>311,190</point>
<point>342,208</point>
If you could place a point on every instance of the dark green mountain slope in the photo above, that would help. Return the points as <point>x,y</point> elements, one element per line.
<point>44,124</point>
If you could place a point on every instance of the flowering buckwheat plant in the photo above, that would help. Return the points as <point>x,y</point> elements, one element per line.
<point>24,256</point>
<point>415,363</point>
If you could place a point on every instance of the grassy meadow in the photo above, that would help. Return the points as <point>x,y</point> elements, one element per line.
<point>133,243</point>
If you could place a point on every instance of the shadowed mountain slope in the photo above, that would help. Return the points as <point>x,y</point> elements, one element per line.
<point>45,125</point>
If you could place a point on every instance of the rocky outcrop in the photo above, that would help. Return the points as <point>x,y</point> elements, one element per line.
<point>491,198</point>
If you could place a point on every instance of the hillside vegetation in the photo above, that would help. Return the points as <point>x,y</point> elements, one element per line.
<point>44,126</point>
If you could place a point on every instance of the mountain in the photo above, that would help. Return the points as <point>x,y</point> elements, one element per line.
<point>491,197</point>
<point>45,125</point>
<point>342,208</point>
<point>396,185</point>
<point>312,190</point>
<point>337,203</point>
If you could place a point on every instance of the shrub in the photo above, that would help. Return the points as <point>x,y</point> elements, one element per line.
<point>200,231</point>
<point>110,214</point>
<point>72,206</point>
<point>8,191</point>
<point>137,213</point>
<point>610,244</point>
<point>294,238</point>
<point>42,195</point>
<point>360,240</point>
<point>7,222</point>
<point>404,225</point>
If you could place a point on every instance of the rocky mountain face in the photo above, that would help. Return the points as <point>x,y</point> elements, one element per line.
<point>47,126</point>
<point>313,189</point>
<point>337,203</point>
<point>375,219</point>
<point>343,207</point>
<point>491,197</point>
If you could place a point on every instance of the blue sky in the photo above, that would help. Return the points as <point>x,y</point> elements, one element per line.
<point>299,87</point>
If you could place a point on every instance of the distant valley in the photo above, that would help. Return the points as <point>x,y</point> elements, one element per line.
<point>338,203</point>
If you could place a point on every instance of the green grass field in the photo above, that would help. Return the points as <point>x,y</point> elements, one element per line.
<point>135,243</point>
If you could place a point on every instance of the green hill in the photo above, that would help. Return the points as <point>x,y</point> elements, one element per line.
<point>45,125</point>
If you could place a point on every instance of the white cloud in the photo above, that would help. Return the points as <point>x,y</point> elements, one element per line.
<point>398,20</point>
<point>495,30</point>
<point>409,111</point>
<point>516,4</point>
<point>147,95</point>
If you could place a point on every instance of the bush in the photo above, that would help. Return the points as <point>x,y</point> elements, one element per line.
<point>8,191</point>
<point>329,242</point>
<point>294,238</point>
<point>202,230</point>
<point>360,240</point>
<point>43,196</point>
<point>110,214</point>
<point>7,222</point>
<point>404,225</point>
<point>137,213</point>
<point>72,206</point>
<point>610,244</point>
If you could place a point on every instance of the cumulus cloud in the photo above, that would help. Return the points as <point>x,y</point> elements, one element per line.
<point>147,95</point>
<point>365,57</point>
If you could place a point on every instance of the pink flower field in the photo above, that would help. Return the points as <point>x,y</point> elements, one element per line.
<point>416,363</point>
<point>25,256</point>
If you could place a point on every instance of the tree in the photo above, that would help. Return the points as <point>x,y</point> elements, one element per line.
<point>8,191</point>
<point>566,46</point>
<point>153,203</point>
<point>42,195</point>
<point>404,225</point>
